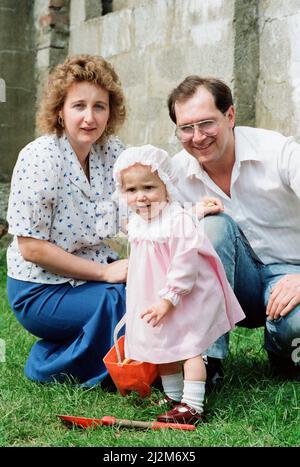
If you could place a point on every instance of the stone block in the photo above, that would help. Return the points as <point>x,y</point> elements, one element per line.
<point>56,4</point>
<point>54,20</point>
<point>132,68</point>
<point>42,58</point>
<point>115,33</point>
<point>85,38</point>
<point>17,69</point>
<point>121,4</point>
<point>16,126</point>
<point>152,22</point>
<point>278,95</point>
<point>16,26</point>
<point>42,74</point>
<point>275,9</point>
<point>7,5</point>
<point>107,36</point>
<point>57,55</point>
<point>77,13</point>
<point>43,39</point>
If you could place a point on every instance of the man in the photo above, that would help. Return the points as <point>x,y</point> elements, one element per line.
<point>253,175</point>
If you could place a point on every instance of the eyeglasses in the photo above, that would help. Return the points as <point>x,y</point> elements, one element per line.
<point>207,127</point>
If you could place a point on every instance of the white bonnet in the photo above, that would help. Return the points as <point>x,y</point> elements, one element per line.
<point>158,159</point>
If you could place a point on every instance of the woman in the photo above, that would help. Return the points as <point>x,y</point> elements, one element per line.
<point>64,284</point>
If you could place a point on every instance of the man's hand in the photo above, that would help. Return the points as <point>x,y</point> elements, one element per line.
<point>284,296</point>
<point>156,312</point>
<point>207,205</point>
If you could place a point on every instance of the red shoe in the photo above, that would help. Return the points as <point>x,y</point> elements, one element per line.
<point>181,413</point>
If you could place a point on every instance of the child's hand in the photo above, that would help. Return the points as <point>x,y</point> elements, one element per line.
<point>207,205</point>
<point>156,312</point>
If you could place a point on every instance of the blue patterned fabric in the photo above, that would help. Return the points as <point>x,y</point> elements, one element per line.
<point>51,199</point>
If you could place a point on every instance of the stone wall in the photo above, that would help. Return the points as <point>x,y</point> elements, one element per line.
<point>278,96</point>
<point>253,45</point>
<point>154,44</point>
<point>246,61</point>
<point>17,58</point>
<point>51,21</point>
<point>33,38</point>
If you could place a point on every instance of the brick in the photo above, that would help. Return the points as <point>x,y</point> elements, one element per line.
<point>56,4</point>
<point>53,19</point>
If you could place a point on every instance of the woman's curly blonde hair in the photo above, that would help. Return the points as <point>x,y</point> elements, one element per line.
<point>93,69</point>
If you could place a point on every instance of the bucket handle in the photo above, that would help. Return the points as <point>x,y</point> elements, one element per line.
<point>116,332</point>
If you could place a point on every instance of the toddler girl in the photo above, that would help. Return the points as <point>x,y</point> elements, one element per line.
<point>178,298</point>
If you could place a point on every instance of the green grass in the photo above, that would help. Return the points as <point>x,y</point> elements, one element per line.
<point>250,410</point>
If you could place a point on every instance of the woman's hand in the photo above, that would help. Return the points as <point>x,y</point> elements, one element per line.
<point>115,272</point>
<point>156,312</point>
<point>207,205</point>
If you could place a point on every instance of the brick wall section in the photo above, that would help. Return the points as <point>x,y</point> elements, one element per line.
<point>58,16</point>
<point>52,36</point>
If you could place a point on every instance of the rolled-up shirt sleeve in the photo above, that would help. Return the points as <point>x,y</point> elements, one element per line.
<point>33,194</point>
<point>183,270</point>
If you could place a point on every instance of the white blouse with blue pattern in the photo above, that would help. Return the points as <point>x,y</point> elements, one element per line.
<point>51,199</point>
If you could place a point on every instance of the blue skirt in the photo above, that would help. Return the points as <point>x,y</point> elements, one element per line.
<point>75,326</point>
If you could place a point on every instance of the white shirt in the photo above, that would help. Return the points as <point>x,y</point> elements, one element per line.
<point>51,199</point>
<point>265,191</point>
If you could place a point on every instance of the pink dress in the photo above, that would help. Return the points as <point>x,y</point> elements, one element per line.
<point>171,258</point>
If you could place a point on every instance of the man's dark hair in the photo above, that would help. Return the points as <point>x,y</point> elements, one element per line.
<point>188,87</point>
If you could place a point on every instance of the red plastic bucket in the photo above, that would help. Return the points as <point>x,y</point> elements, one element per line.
<point>131,376</point>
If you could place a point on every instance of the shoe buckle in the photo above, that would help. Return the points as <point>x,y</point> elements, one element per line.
<point>189,409</point>
<point>193,411</point>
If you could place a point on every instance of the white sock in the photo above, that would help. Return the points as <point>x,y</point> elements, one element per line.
<point>173,386</point>
<point>193,394</point>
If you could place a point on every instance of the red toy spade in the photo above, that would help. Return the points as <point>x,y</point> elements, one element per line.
<point>84,422</point>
